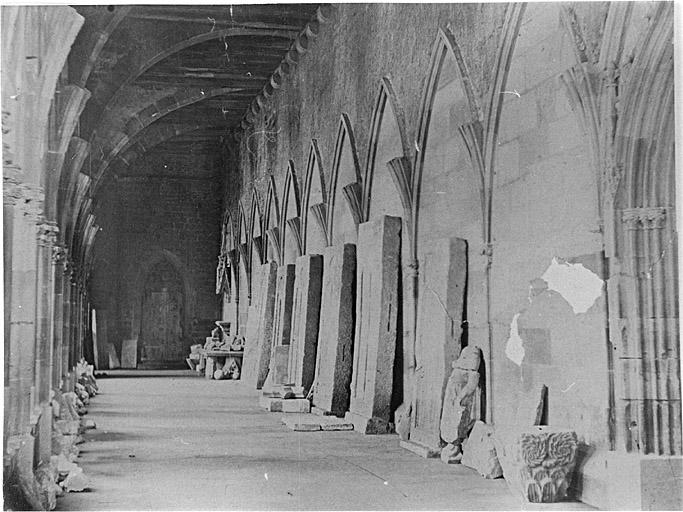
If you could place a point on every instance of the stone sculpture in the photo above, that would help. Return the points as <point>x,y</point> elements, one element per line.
<point>539,463</point>
<point>237,343</point>
<point>461,403</point>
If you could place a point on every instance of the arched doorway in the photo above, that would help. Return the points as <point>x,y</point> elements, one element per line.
<point>162,330</point>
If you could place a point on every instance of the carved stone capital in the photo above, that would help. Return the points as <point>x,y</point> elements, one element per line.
<point>651,217</point>
<point>539,463</point>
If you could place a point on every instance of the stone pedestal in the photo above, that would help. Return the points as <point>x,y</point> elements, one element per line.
<point>379,258</point>
<point>538,463</point>
<point>260,329</point>
<point>305,320</point>
<point>442,278</point>
<point>335,337</point>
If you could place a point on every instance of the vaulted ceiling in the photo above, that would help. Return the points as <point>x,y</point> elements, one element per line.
<point>176,79</point>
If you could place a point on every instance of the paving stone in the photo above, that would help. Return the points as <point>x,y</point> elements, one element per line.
<point>335,337</point>
<point>379,256</point>
<point>289,405</point>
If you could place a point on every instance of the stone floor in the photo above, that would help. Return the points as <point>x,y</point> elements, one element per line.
<point>175,441</point>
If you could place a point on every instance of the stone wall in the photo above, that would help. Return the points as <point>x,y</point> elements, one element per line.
<point>499,125</point>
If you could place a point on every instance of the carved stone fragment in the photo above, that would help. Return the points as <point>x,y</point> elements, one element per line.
<point>479,451</point>
<point>539,463</point>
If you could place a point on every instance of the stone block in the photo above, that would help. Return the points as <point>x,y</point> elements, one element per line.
<point>421,450</point>
<point>129,353</point>
<point>335,424</point>
<point>379,257</point>
<point>300,405</point>
<point>335,336</point>
<point>315,423</point>
<point>301,422</point>
<point>305,320</point>
<point>442,279</point>
<point>479,451</point>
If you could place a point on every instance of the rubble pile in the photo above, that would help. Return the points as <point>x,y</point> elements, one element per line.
<point>63,474</point>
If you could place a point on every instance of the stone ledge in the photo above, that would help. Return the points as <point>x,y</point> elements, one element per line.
<point>421,450</point>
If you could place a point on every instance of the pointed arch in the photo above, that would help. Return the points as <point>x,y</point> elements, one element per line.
<point>388,100</point>
<point>314,208</point>
<point>647,248</point>
<point>256,231</point>
<point>290,217</point>
<point>272,224</point>
<point>352,180</point>
<point>446,45</point>
<point>155,257</point>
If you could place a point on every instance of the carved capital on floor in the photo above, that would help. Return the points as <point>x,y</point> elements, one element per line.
<point>652,217</point>
<point>539,463</point>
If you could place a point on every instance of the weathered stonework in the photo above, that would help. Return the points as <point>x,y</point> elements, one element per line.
<point>335,339</point>
<point>305,320</point>
<point>442,280</point>
<point>379,254</point>
<point>539,463</point>
<point>259,328</point>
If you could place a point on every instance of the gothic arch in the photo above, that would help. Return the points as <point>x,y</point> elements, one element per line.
<point>352,189</point>
<point>256,231</point>
<point>314,215</point>
<point>271,221</point>
<point>156,256</point>
<point>290,218</point>
<point>444,45</point>
<point>648,411</point>
<point>399,166</point>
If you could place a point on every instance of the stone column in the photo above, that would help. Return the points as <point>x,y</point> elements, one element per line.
<point>66,324</point>
<point>58,259</point>
<point>46,236</point>
<point>25,210</point>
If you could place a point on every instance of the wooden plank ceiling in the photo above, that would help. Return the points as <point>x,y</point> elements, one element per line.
<point>158,70</point>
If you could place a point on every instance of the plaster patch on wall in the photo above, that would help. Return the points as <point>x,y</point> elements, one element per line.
<point>578,285</point>
<point>514,349</point>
